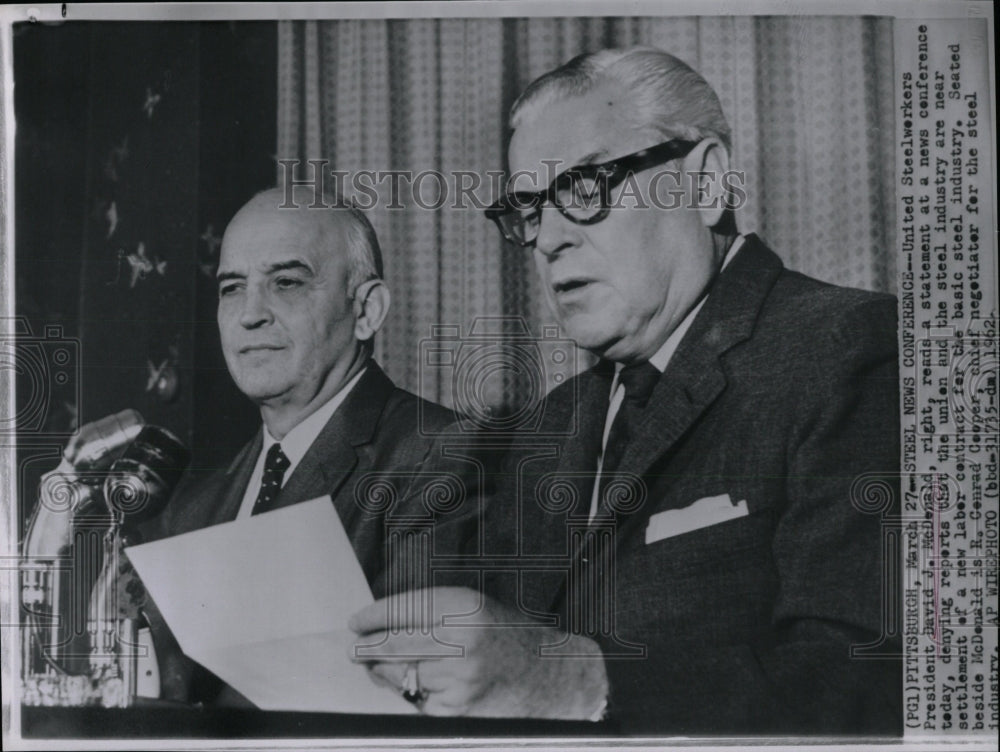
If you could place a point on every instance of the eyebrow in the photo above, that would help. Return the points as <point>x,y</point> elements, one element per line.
<point>270,269</point>
<point>594,157</point>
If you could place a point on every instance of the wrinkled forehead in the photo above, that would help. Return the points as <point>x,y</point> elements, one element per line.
<point>572,130</point>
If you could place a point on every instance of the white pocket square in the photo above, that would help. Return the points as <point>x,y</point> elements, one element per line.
<point>703,513</point>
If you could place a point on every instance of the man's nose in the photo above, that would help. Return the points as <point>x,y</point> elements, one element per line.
<point>256,309</point>
<point>555,232</point>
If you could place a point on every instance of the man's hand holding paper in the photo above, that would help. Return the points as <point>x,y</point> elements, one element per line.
<point>471,655</point>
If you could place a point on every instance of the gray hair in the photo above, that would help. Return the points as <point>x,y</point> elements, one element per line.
<point>364,255</point>
<point>668,96</point>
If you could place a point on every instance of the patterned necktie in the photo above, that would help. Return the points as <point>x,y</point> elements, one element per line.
<point>639,381</point>
<point>275,465</point>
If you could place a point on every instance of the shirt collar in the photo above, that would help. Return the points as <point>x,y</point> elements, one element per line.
<point>297,441</point>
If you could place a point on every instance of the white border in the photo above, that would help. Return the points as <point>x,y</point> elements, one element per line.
<point>52,12</point>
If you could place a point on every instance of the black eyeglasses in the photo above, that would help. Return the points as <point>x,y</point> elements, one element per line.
<point>582,194</point>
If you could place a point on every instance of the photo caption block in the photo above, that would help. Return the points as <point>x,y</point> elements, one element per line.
<point>948,375</point>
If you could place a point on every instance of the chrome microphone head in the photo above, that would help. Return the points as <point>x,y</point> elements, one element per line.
<point>97,443</point>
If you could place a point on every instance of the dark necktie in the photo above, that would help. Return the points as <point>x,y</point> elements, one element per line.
<point>275,465</point>
<point>639,380</point>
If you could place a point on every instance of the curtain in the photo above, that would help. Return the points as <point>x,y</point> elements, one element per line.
<point>810,101</point>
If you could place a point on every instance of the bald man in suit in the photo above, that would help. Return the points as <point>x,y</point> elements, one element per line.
<point>301,297</point>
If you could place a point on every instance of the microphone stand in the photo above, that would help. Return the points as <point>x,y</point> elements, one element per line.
<point>112,632</point>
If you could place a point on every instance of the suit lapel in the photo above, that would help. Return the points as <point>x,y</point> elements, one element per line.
<point>547,529</point>
<point>237,478</point>
<point>578,460</point>
<point>334,454</point>
<point>324,467</point>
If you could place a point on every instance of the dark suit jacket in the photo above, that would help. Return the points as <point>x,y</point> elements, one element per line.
<point>375,457</point>
<point>379,432</point>
<point>782,393</point>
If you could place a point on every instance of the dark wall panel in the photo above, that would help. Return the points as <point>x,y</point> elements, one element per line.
<point>135,145</point>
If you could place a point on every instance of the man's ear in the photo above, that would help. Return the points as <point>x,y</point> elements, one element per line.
<point>709,163</point>
<point>371,305</point>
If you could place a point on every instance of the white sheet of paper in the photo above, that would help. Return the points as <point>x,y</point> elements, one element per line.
<point>263,603</point>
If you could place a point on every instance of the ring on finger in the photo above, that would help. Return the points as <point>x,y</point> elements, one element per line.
<point>411,689</point>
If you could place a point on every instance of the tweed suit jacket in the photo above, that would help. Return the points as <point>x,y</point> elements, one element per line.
<point>379,433</point>
<point>781,395</point>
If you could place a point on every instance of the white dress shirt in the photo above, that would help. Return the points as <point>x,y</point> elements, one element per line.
<point>660,359</point>
<point>295,444</point>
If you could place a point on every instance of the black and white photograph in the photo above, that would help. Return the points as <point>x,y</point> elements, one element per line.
<point>499,374</point>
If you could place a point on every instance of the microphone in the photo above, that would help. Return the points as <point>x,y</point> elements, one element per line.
<point>94,446</point>
<point>71,487</point>
<point>141,481</point>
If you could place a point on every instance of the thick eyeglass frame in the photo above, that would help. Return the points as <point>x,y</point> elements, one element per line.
<point>607,176</point>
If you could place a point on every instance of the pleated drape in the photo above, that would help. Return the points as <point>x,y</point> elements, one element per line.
<point>809,99</point>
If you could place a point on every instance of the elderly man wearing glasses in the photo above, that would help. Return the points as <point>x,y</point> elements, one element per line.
<point>694,555</point>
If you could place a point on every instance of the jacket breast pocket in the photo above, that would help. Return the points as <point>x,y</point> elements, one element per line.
<point>725,545</point>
